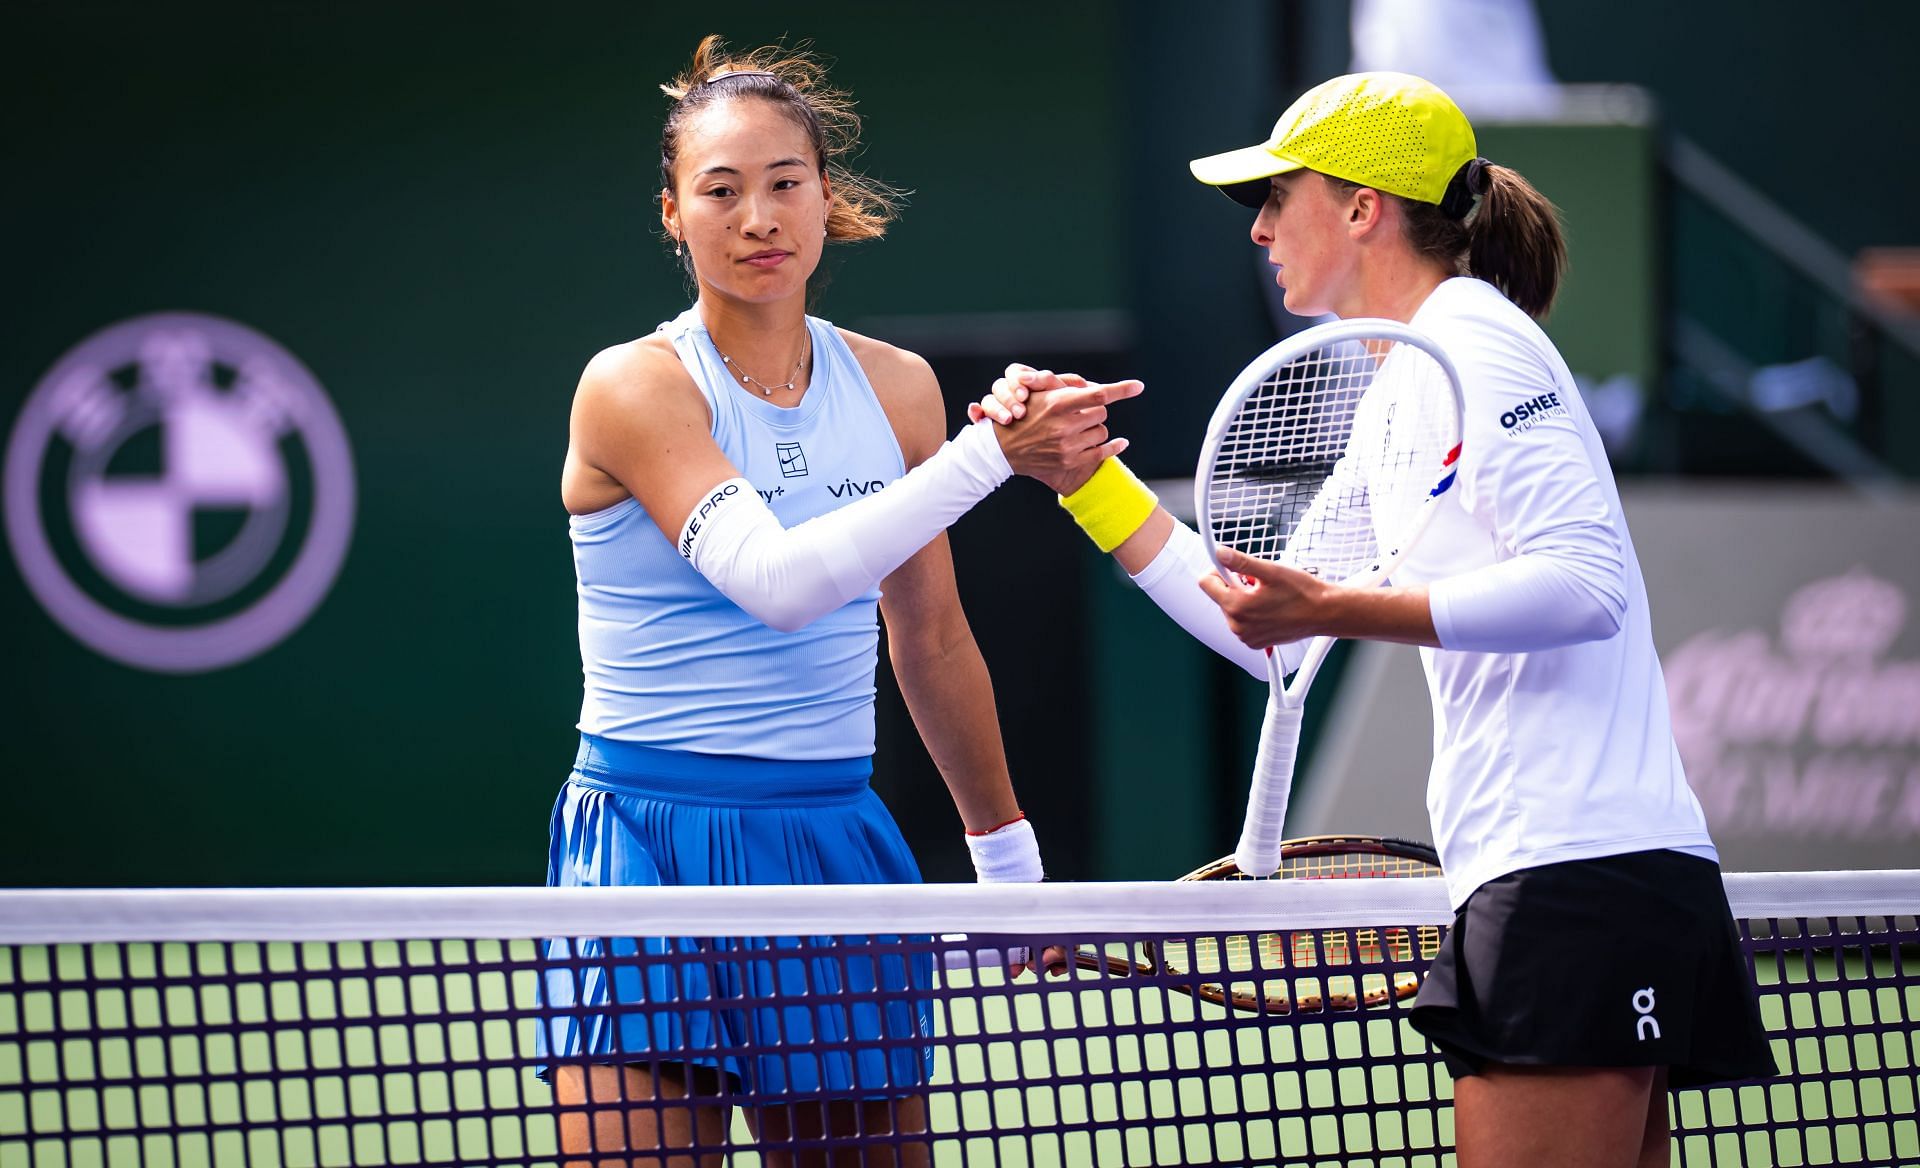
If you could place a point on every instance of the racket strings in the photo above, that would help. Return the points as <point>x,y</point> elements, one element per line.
<point>1419,439</point>
<point>1277,455</point>
<point>1312,969</point>
<point>1278,487</point>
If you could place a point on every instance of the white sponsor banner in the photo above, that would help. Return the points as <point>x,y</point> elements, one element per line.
<point>1786,623</point>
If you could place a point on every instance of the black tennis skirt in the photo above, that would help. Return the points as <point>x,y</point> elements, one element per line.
<point>1619,961</point>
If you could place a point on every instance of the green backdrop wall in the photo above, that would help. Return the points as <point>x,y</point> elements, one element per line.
<point>444,209</point>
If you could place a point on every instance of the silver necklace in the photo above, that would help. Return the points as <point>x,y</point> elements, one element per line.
<point>766,389</point>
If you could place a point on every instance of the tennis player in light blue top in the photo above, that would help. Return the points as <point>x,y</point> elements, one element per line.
<point>748,485</point>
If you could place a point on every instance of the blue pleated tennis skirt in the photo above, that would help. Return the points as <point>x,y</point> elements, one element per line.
<point>779,1015</point>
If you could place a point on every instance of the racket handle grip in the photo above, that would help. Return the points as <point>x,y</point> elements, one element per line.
<point>1258,853</point>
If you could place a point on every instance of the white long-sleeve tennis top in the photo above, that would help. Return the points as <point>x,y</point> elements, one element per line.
<point>1552,739</point>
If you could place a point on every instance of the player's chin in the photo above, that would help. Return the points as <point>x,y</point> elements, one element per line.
<point>1301,302</point>
<point>765,287</point>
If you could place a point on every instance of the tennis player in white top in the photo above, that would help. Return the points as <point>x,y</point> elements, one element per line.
<point>1593,961</point>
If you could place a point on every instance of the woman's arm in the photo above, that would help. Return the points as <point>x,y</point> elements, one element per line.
<point>1175,564</point>
<point>1279,605</point>
<point>938,664</point>
<point>945,683</point>
<point>1162,555</point>
<point>639,427</point>
<point>1542,490</point>
<point>1536,490</point>
<point>639,420</point>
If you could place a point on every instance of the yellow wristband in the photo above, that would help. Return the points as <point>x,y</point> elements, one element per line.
<point>1111,505</point>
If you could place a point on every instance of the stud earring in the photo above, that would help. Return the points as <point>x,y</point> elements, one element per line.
<point>676,247</point>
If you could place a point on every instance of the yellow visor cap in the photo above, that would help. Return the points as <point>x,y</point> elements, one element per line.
<point>1393,132</point>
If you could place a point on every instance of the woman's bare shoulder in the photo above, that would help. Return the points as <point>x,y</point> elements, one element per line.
<point>894,363</point>
<point>644,366</point>
<point>905,385</point>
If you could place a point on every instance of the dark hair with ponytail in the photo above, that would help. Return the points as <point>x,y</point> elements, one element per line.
<point>1493,225</point>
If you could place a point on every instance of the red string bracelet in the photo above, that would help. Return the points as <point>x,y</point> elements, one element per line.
<point>998,826</point>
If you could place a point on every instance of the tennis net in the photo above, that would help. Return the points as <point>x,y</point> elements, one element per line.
<point>1229,1023</point>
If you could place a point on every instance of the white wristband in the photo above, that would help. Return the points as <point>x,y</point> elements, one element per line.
<point>1008,854</point>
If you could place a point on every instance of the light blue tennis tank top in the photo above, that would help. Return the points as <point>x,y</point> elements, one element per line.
<point>670,662</point>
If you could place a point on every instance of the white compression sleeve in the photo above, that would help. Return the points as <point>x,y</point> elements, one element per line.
<point>1531,602</point>
<point>1172,582</point>
<point>787,578</point>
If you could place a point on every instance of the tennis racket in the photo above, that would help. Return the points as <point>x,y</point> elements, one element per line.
<point>1297,971</point>
<point>1329,453</point>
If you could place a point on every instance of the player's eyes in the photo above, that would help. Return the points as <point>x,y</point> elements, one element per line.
<point>719,192</point>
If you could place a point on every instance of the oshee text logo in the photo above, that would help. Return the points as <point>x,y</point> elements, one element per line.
<point>1527,414</point>
<point>179,493</point>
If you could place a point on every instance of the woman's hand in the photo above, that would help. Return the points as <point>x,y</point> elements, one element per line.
<point>1053,426</point>
<point>1050,961</point>
<point>1277,604</point>
<point>1006,401</point>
